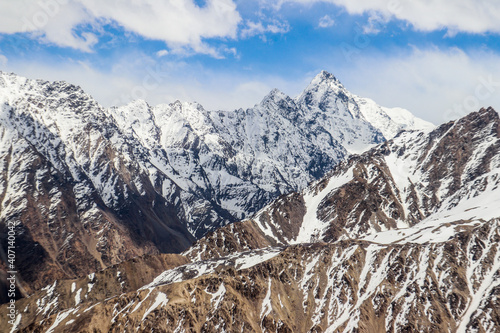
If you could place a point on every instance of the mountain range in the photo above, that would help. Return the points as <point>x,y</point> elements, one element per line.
<point>90,186</point>
<point>353,217</point>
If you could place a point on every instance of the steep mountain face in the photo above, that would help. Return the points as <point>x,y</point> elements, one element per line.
<point>403,238</point>
<point>72,184</point>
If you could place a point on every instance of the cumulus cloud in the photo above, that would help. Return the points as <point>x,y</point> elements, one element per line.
<point>326,22</point>
<point>375,23</point>
<point>474,16</point>
<point>178,23</point>
<point>52,20</point>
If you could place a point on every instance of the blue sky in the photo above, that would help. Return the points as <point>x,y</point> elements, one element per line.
<point>438,58</point>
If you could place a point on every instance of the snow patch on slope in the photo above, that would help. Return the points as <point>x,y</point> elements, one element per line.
<point>312,227</point>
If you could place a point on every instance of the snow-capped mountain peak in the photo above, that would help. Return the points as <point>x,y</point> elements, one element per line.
<point>278,102</point>
<point>322,88</point>
<point>327,79</point>
<point>326,94</point>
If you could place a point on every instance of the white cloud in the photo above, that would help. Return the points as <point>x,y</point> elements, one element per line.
<point>3,60</point>
<point>258,28</point>
<point>161,53</point>
<point>375,23</point>
<point>50,20</point>
<point>475,16</point>
<point>178,23</point>
<point>437,85</point>
<point>326,22</point>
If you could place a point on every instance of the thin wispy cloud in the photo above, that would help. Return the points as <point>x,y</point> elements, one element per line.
<point>259,28</point>
<point>162,53</point>
<point>326,22</point>
<point>441,84</point>
<point>3,60</point>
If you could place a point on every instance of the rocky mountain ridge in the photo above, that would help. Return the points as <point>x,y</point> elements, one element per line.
<point>348,286</point>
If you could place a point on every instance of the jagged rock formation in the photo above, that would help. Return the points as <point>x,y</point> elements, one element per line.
<point>89,187</point>
<point>403,238</point>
